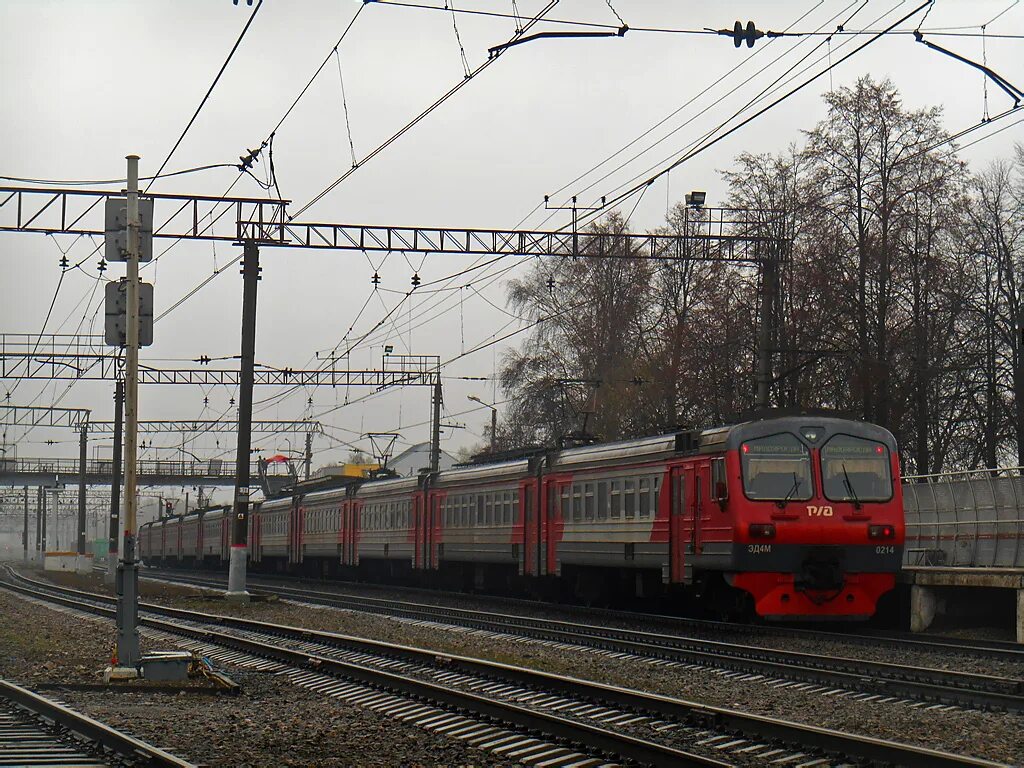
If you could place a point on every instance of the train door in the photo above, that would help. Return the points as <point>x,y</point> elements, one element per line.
<point>419,553</point>
<point>528,511</point>
<point>690,524</point>
<point>296,523</point>
<point>434,529</point>
<point>553,521</point>
<point>677,534</point>
<point>343,532</point>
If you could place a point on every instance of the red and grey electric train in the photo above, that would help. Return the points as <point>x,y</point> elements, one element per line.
<point>796,517</point>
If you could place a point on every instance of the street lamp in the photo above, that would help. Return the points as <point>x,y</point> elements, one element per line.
<point>494,419</point>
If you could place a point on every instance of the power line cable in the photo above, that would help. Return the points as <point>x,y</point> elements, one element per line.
<point>775,85</point>
<point>704,147</point>
<point>213,85</point>
<point>84,182</point>
<point>416,120</point>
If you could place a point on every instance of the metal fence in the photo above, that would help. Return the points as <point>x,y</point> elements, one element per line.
<point>965,519</point>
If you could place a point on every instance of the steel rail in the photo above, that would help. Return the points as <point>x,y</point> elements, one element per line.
<point>593,737</point>
<point>103,739</point>
<point>879,751</point>
<point>946,686</point>
<point>994,649</point>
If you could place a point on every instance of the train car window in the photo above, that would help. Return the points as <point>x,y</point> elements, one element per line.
<point>588,501</point>
<point>776,468</point>
<point>855,469</point>
<point>645,497</point>
<point>602,500</point>
<point>565,502</point>
<point>479,510</point>
<point>615,500</point>
<point>629,499</point>
<point>577,502</point>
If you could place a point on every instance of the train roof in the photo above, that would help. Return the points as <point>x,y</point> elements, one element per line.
<point>472,473</point>
<point>814,427</point>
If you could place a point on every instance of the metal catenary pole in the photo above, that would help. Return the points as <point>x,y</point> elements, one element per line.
<point>42,507</point>
<point>128,654</point>
<point>240,519</point>
<point>24,531</point>
<point>309,453</point>
<point>115,483</point>
<point>435,427</point>
<point>39,527</point>
<point>82,450</point>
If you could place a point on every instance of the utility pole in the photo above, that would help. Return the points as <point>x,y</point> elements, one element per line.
<point>115,484</point>
<point>494,420</point>
<point>128,654</point>
<point>435,436</point>
<point>240,522</point>
<point>24,531</point>
<point>309,453</point>
<point>82,445</point>
<point>42,507</point>
<point>769,289</point>
<point>39,528</point>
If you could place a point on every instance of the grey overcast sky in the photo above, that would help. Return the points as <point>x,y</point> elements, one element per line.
<point>82,84</point>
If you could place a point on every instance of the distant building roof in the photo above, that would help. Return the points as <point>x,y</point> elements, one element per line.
<point>410,461</point>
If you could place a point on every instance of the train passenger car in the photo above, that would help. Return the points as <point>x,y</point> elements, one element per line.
<point>787,517</point>
<point>150,542</point>
<point>386,516</point>
<point>606,515</point>
<point>474,531</point>
<point>189,536</point>
<point>215,537</point>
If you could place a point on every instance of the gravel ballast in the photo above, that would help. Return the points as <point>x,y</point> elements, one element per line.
<point>272,723</point>
<point>993,736</point>
<point>833,645</point>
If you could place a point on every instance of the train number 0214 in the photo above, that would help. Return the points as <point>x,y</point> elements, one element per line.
<point>813,511</point>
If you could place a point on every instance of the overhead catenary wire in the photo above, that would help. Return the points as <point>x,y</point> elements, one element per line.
<point>206,97</point>
<point>213,220</point>
<point>103,182</point>
<point>611,201</point>
<point>492,261</point>
<point>702,31</point>
<point>423,114</point>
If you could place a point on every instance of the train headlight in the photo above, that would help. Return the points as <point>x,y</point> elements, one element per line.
<point>881,532</point>
<point>762,530</point>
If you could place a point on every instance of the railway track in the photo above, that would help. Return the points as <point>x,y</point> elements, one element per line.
<point>886,680</point>
<point>37,731</point>
<point>545,711</point>
<point>985,649</point>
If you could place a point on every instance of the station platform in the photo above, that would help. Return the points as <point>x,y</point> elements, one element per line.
<point>963,591</point>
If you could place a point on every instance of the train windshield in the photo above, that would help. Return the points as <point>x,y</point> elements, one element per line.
<point>855,469</point>
<point>776,468</point>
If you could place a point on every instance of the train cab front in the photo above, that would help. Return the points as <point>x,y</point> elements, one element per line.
<point>818,525</point>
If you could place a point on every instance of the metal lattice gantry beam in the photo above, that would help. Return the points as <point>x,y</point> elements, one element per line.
<point>43,416</point>
<point>708,234</point>
<point>54,357</point>
<point>81,212</point>
<point>161,426</point>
